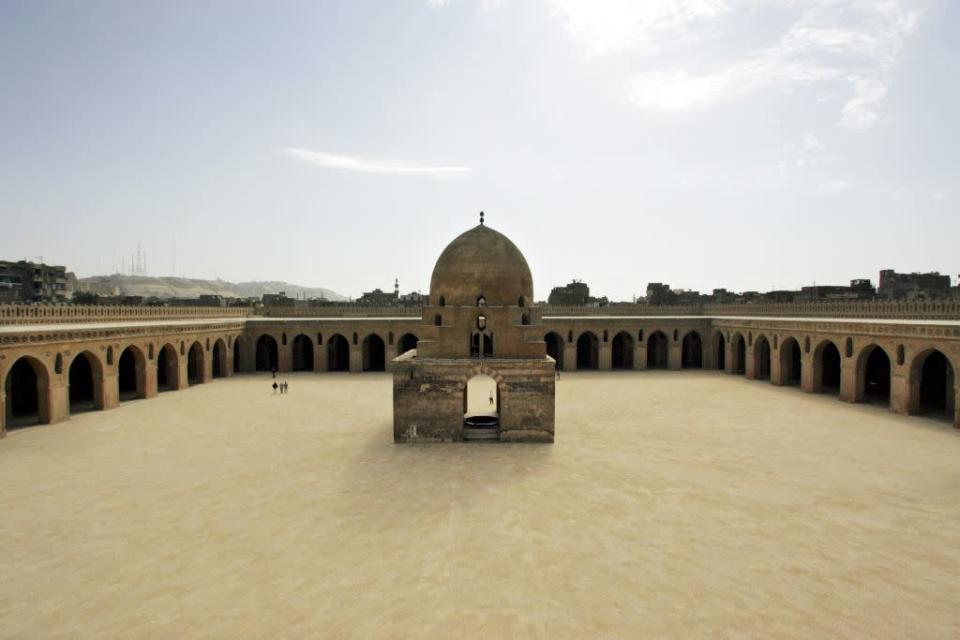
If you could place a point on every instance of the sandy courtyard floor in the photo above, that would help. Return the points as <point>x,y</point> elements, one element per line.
<point>672,504</point>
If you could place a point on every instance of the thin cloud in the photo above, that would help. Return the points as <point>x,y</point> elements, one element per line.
<point>687,55</point>
<point>346,163</point>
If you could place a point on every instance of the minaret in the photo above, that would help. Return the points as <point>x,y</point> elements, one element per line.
<point>396,288</point>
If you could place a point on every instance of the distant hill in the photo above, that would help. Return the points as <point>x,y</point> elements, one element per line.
<point>191,288</point>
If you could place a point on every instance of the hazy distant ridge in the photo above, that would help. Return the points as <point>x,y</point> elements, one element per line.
<point>167,287</point>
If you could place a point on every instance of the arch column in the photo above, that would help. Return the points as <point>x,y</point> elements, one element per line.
<point>570,356</point>
<point>604,355</point>
<point>727,357</point>
<point>807,374</point>
<point>206,370</point>
<point>228,357</point>
<point>750,366</point>
<point>707,354</point>
<point>639,355</point>
<point>183,375</point>
<point>320,358</point>
<point>150,378</point>
<point>58,397</point>
<point>111,390</point>
<point>776,371</point>
<point>248,363</point>
<point>284,356</point>
<point>3,407</point>
<point>848,379</point>
<point>356,356</point>
<point>674,355</point>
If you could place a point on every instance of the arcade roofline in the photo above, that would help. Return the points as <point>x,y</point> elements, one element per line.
<point>865,309</point>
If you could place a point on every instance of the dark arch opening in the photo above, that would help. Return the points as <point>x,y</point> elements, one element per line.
<point>302,353</point>
<point>408,341</point>
<point>195,364</point>
<point>267,353</point>
<point>555,348</point>
<point>167,368</point>
<point>721,352</point>
<point>131,367</point>
<point>83,383</point>
<point>829,368</point>
<point>876,376</point>
<point>374,353</point>
<point>692,354</point>
<point>621,355</point>
<point>761,358</point>
<point>338,353</point>
<point>657,354</point>
<point>588,351</point>
<point>790,361</point>
<point>26,389</point>
<point>739,353</point>
<point>935,386</point>
<point>438,320</point>
<point>236,355</point>
<point>219,363</point>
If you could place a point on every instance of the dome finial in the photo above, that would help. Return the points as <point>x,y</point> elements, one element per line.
<point>481,217</point>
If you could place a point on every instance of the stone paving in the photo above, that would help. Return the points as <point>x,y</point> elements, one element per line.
<point>673,504</point>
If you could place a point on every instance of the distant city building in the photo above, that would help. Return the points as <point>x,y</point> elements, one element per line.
<point>24,281</point>
<point>860,289</point>
<point>574,293</point>
<point>895,285</point>
<point>278,300</point>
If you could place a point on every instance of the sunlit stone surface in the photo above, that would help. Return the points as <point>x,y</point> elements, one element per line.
<point>671,504</point>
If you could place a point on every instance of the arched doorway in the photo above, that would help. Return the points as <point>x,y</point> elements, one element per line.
<point>481,408</point>
<point>267,354</point>
<point>26,387</point>
<point>873,376</point>
<point>168,368</point>
<point>237,350</point>
<point>195,364</point>
<point>622,351</point>
<point>407,342</point>
<point>791,363</point>
<point>932,385</point>
<point>131,374</point>
<point>555,348</point>
<point>86,383</point>
<point>692,355</point>
<point>720,351</point>
<point>219,363</point>
<point>826,368</point>
<point>338,353</point>
<point>657,351</point>
<point>302,353</point>
<point>738,352</point>
<point>588,351</point>
<point>374,353</point>
<point>761,358</point>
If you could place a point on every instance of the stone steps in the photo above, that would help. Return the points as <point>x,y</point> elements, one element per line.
<point>472,434</point>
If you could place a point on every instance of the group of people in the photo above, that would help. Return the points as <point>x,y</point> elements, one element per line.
<point>283,387</point>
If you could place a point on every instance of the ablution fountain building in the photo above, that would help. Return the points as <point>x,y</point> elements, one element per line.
<point>478,360</point>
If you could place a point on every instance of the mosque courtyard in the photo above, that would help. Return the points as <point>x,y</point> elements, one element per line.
<point>677,504</point>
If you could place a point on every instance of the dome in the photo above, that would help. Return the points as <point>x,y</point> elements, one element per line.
<point>481,262</point>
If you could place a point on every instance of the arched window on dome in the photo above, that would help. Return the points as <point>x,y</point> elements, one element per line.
<point>438,320</point>
<point>525,319</point>
<point>481,301</point>
<point>442,301</point>
<point>521,301</point>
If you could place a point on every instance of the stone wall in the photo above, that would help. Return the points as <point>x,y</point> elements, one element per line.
<point>429,397</point>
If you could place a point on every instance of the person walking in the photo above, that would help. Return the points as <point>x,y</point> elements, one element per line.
<point>275,386</point>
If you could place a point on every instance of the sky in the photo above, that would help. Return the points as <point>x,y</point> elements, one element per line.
<point>746,144</point>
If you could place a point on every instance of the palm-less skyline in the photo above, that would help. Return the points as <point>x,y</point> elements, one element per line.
<point>702,143</point>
